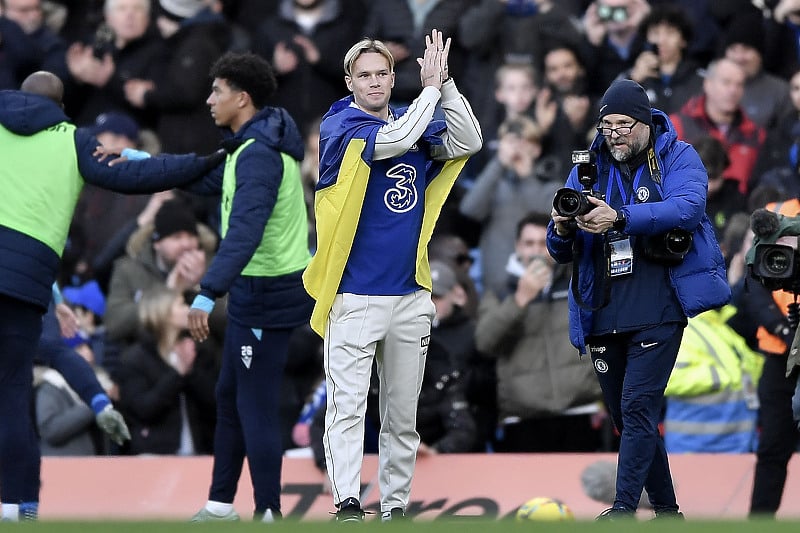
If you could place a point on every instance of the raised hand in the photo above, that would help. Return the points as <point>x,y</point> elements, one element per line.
<point>433,64</point>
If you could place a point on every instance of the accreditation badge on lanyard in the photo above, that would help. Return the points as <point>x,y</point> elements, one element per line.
<point>620,249</point>
<point>621,254</point>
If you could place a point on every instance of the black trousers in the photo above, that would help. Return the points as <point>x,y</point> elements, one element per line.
<point>778,438</point>
<point>248,415</point>
<point>20,460</point>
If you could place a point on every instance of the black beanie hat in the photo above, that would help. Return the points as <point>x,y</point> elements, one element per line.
<point>626,97</point>
<point>747,30</point>
<point>174,216</point>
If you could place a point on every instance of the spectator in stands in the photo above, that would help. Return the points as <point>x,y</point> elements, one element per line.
<point>497,32</point>
<point>718,112</point>
<point>563,106</point>
<point>664,68</point>
<point>452,249</point>
<point>401,24</point>
<point>71,391</point>
<point>516,87</point>
<point>18,55</point>
<point>547,395</point>
<point>64,423</point>
<point>85,379</point>
<point>305,40</point>
<point>89,305</point>
<point>723,199</point>
<point>779,159</point>
<point>193,38</point>
<point>781,48</point>
<point>249,14</point>
<point>101,213</point>
<point>124,46</point>
<point>612,41</point>
<point>453,343</point>
<point>512,184</point>
<point>736,241</point>
<point>765,95</point>
<point>81,19</point>
<point>49,48</point>
<point>171,253</point>
<point>166,388</point>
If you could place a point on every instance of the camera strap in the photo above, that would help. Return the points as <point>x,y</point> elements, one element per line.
<point>577,251</point>
<point>652,164</point>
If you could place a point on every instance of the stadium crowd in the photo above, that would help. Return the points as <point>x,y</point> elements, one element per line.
<point>502,376</point>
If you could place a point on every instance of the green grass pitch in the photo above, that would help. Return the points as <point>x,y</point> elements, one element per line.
<point>465,525</point>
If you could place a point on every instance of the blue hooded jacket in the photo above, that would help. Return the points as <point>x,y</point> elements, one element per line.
<point>699,281</point>
<point>28,266</point>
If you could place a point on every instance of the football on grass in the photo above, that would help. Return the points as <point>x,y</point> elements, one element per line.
<point>544,509</point>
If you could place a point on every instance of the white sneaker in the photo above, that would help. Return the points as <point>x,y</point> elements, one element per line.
<point>204,515</point>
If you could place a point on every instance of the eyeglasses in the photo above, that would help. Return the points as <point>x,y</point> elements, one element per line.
<point>619,130</point>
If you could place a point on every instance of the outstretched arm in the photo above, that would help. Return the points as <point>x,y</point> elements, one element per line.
<point>142,176</point>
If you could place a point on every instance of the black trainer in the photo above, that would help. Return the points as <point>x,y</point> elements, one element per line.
<point>669,514</point>
<point>350,511</point>
<point>613,513</point>
<point>395,514</point>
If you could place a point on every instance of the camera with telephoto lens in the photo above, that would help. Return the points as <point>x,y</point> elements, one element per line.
<point>668,248</point>
<point>571,203</point>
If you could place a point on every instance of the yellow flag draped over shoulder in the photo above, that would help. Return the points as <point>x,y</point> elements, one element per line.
<point>338,203</point>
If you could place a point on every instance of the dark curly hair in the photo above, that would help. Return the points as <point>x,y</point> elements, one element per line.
<point>247,72</point>
<point>671,15</point>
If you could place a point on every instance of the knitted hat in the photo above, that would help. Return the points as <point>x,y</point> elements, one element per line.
<point>747,30</point>
<point>182,9</point>
<point>173,217</point>
<point>626,97</point>
<point>443,277</point>
<point>87,295</point>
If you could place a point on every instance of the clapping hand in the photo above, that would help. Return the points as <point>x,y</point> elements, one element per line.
<point>433,65</point>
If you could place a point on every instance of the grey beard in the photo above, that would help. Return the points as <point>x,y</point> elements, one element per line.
<point>623,157</point>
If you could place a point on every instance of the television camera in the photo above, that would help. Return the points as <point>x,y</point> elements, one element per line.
<point>776,266</point>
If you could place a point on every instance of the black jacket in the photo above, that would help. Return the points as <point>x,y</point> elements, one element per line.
<point>182,84</point>
<point>150,398</point>
<point>307,91</point>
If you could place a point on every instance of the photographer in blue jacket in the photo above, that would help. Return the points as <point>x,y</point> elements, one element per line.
<point>632,220</point>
